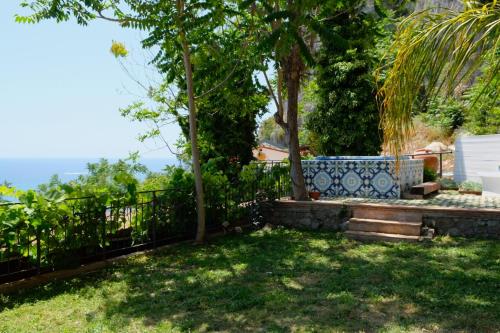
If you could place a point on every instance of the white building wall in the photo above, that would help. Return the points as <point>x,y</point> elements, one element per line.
<point>475,155</point>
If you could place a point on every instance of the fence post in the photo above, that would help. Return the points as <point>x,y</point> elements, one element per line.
<point>104,230</point>
<point>279,181</point>
<point>226,209</point>
<point>440,165</point>
<point>155,219</point>
<point>38,251</point>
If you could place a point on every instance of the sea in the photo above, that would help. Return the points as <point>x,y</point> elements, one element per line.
<point>28,173</point>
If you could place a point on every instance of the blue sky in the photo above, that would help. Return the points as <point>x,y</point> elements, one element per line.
<point>60,90</point>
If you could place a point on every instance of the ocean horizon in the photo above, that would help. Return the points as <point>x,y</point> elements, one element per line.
<point>28,173</point>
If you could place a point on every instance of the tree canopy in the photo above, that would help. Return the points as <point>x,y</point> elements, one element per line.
<point>438,50</point>
<point>346,119</point>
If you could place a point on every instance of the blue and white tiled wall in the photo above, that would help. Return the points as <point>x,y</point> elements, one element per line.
<point>362,176</point>
<point>411,173</point>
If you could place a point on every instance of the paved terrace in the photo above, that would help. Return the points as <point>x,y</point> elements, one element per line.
<point>443,199</point>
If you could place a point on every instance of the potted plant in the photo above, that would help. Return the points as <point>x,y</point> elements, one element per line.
<point>470,187</point>
<point>315,195</point>
<point>447,184</point>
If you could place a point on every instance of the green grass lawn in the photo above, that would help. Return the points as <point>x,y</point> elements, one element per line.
<point>276,281</point>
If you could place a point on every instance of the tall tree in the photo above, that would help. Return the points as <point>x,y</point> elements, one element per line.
<point>288,30</point>
<point>177,27</point>
<point>346,119</point>
<point>229,99</point>
<point>227,114</point>
<point>440,50</point>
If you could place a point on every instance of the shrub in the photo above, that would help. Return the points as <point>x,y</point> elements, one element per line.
<point>111,215</point>
<point>482,102</point>
<point>447,114</point>
<point>429,175</point>
<point>470,186</point>
<point>447,184</point>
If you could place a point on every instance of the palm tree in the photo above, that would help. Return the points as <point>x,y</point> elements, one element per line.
<point>438,50</point>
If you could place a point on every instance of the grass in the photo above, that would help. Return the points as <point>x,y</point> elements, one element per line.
<point>276,281</point>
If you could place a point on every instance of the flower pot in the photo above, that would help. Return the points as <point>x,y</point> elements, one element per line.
<point>314,195</point>
<point>430,161</point>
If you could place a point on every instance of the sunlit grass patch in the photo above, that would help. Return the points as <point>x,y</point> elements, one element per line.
<point>276,280</point>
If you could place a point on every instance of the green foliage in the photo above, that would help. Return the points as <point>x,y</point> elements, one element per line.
<point>159,19</point>
<point>447,184</point>
<point>307,105</point>
<point>471,186</point>
<point>156,180</point>
<point>275,280</point>
<point>482,101</point>
<point>229,100</point>
<point>445,113</point>
<point>441,50</point>
<point>36,214</point>
<point>45,213</point>
<point>272,132</point>
<point>373,40</point>
<point>477,110</point>
<point>179,202</point>
<point>429,175</point>
<point>5,188</point>
<point>104,180</point>
<point>87,215</point>
<point>273,179</point>
<point>346,119</point>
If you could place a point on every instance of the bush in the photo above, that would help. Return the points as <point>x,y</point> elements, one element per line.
<point>471,186</point>
<point>482,102</point>
<point>447,114</point>
<point>447,184</point>
<point>111,215</point>
<point>429,175</point>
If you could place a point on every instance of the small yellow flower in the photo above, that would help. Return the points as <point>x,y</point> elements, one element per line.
<point>118,49</point>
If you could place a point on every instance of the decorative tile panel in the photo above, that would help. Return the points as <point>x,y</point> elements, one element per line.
<point>361,176</point>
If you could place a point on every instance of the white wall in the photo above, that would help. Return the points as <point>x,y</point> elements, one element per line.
<point>475,155</point>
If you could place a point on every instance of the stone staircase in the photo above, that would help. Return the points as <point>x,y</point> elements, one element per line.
<point>390,224</point>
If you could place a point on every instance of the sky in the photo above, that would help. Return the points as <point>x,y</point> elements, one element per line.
<point>61,90</point>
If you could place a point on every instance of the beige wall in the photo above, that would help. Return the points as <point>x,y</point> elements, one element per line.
<point>267,154</point>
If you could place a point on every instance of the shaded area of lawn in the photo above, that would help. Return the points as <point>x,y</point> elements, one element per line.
<point>279,280</point>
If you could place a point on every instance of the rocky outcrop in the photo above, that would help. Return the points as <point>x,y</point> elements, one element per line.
<point>436,4</point>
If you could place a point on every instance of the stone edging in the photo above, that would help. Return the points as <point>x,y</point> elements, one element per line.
<point>434,209</point>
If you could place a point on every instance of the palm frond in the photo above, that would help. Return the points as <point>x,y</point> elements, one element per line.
<point>438,50</point>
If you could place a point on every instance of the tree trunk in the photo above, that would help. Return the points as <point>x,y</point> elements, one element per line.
<point>293,69</point>
<point>200,201</point>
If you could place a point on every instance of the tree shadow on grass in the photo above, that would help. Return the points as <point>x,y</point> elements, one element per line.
<point>286,280</point>
<point>82,285</point>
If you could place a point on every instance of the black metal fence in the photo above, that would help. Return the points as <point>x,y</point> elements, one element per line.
<point>83,230</point>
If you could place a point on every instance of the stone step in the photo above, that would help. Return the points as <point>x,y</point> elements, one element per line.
<point>385,226</point>
<point>425,188</point>
<point>409,196</point>
<point>379,236</point>
<point>387,213</point>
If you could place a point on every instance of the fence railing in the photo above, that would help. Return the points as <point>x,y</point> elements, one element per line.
<point>83,230</point>
<point>440,154</point>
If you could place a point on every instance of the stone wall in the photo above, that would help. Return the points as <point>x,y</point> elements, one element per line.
<point>308,215</point>
<point>484,223</point>
<point>471,223</point>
